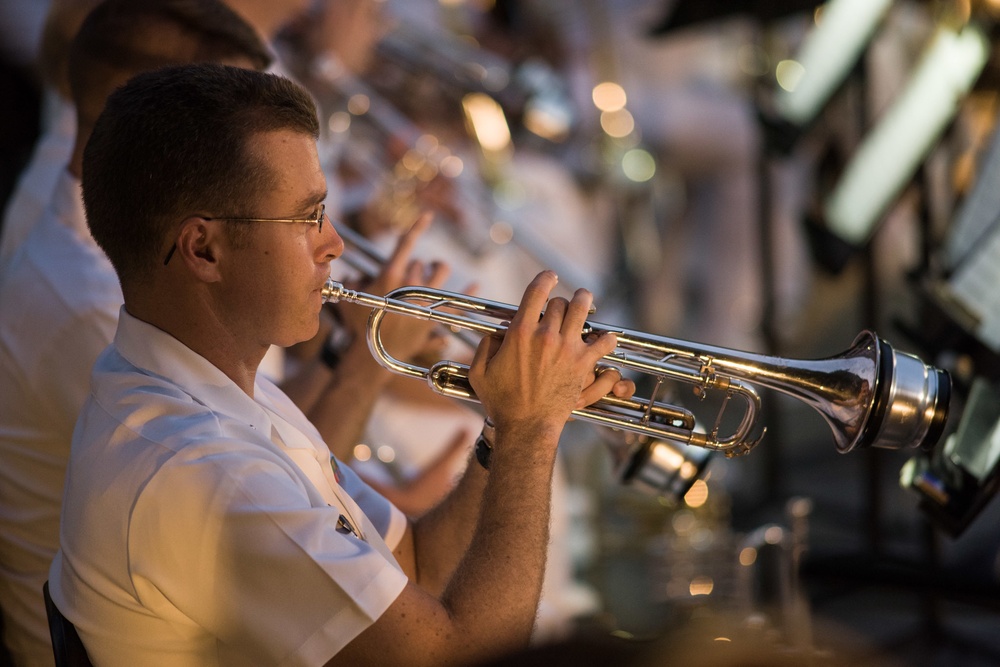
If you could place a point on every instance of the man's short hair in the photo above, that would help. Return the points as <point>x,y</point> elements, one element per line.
<point>62,21</point>
<point>177,142</point>
<point>120,38</point>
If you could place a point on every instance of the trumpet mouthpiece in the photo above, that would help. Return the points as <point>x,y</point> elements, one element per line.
<point>333,291</point>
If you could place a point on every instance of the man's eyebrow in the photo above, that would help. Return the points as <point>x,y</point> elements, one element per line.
<point>312,199</point>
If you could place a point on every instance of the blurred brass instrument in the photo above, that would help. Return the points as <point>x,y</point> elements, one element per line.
<point>870,395</point>
<point>392,155</point>
<point>360,253</point>
<point>456,66</point>
<point>451,66</point>
<point>376,126</point>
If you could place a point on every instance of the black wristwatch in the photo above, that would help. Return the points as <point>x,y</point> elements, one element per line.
<point>484,444</point>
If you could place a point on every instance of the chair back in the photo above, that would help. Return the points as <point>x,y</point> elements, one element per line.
<point>66,644</point>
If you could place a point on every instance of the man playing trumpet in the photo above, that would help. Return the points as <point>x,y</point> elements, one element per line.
<point>204,520</point>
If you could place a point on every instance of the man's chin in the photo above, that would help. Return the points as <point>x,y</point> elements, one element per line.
<point>300,335</point>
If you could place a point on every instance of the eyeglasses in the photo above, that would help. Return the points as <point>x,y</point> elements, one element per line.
<point>318,221</point>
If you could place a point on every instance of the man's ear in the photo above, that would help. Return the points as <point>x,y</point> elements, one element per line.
<point>200,244</point>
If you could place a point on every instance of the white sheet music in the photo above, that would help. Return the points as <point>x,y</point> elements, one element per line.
<point>976,284</point>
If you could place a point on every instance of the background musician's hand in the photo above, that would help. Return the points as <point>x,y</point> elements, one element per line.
<point>404,337</point>
<point>535,376</point>
<point>416,495</point>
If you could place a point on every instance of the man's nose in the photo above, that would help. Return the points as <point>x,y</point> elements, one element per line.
<point>332,245</point>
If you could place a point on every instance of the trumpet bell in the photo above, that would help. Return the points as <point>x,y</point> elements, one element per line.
<point>874,396</point>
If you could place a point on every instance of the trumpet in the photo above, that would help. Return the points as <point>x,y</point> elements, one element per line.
<point>650,465</point>
<point>870,395</point>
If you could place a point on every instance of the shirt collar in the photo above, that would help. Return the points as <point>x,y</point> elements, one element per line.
<point>157,352</point>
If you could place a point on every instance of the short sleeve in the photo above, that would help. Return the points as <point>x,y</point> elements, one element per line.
<point>235,545</point>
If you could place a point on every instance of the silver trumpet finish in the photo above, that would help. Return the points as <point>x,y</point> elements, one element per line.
<point>870,395</point>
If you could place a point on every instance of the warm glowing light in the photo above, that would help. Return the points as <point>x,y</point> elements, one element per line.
<point>427,172</point>
<point>427,144</point>
<point>362,452</point>
<point>748,556</point>
<point>688,470</point>
<point>789,73</point>
<point>697,495</point>
<point>723,639</point>
<point>701,586</point>
<point>412,160</point>
<point>487,120</point>
<point>452,166</point>
<point>609,96</point>
<point>359,104</point>
<point>386,454</point>
<point>501,232</point>
<point>339,122</point>
<point>774,534</point>
<point>617,123</point>
<point>638,165</point>
<point>683,523</point>
<point>669,458</point>
<point>548,121</point>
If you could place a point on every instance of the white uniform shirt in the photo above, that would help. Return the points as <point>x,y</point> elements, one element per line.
<point>33,192</point>
<point>59,301</point>
<point>203,527</point>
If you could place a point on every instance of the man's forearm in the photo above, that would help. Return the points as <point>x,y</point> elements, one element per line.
<point>488,606</point>
<point>341,410</point>
<point>505,561</point>
<point>441,537</point>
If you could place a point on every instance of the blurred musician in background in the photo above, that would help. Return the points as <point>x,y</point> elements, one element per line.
<point>53,149</point>
<point>20,88</point>
<point>393,153</point>
<point>59,297</point>
<point>37,181</point>
<point>238,538</point>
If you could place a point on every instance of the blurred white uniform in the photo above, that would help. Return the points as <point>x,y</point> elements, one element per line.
<point>692,107</point>
<point>35,186</point>
<point>542,196</point>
